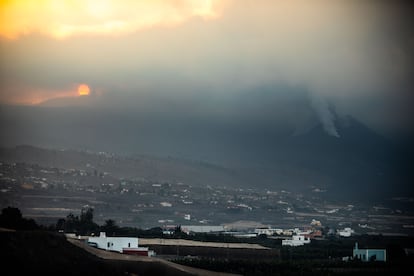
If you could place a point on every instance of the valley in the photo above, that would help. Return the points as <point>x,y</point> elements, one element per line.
<point>49,193</point>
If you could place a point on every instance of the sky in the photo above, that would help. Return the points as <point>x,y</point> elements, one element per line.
<point>227,59</point>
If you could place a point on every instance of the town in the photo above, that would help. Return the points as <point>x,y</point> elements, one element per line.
<point>47,194</point>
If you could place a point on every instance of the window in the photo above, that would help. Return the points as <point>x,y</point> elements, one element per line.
<point>108,244</point>
<point>129,244</point>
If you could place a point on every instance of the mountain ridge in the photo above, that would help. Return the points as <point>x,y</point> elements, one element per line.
<point>237,151</point>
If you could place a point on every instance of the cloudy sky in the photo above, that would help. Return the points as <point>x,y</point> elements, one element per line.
<point>213,56</point>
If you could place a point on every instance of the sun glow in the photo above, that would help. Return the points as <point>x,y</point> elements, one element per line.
<point>65,18</point>
<point>83,90</point>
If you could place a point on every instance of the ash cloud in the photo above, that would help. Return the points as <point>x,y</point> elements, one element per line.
<point>351,54</point>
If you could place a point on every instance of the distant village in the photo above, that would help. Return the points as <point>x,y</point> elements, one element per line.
<point>176,220</point>
<point>46,194</point>
<point>289,238</point>
<point>168,238</point>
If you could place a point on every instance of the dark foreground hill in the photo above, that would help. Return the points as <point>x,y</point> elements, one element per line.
<point>45,253</point>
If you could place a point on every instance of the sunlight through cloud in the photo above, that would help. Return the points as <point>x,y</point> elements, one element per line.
<point>61,19</point>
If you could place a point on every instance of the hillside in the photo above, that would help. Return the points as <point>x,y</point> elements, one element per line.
<point>358,164</point>
<point>200,151</point>
<point>47,253</point>
<point>141,167</point>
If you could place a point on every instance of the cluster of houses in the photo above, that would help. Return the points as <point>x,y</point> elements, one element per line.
<point>130,245</point>
<point>290,237</point>
<point>293,237</point>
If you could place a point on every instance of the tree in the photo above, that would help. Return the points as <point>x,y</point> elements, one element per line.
<point>61,224</point>
<point>83,225</point>
<point>86,215</point>
<point>86,224</point>
<point>12,218</point>
<point>110,227</point>
<point>178,233</point>
<point>71,223</point>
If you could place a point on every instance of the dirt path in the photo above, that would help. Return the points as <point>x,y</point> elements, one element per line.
<point>107,255</point>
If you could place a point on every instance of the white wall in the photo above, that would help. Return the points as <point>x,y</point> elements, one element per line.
<point>114,243</point>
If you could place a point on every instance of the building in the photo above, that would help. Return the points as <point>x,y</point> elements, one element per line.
<point>367,255</point>
<point>297,240</point>
<point>316,223</point>
<point>126,245</point>
<point>169,229</point>
<point>314,234</point>
<point>346,232</point>
<point>287,232</point>
<point>268,231</point>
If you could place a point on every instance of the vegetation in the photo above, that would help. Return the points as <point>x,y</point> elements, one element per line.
<point>82,224</point>
<point>12,218</point>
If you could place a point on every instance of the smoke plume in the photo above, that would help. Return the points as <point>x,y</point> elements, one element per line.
<point>325,115</point>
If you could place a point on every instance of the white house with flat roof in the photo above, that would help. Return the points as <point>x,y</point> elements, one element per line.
<point>297,240</point>
<point>127,245</point>
<point>346,232</point>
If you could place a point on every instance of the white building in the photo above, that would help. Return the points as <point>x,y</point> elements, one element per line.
<point>316,223</point>
<point>268,231</point>
<point>125,245</point>
<point>297,240</point>
<point>346,232</point>
<point>299,232</point>
<point>287,232</point>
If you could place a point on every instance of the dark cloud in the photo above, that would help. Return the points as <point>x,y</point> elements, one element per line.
<point>356,56</point>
